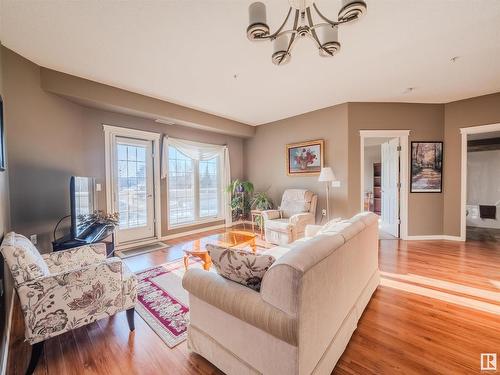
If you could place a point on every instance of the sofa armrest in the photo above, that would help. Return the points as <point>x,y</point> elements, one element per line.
<point>244,303</point>
<point>312,230</point>
<point>300,221</point>
<point>58,303</point>
<point>60,261</point>
<point>271,214</point>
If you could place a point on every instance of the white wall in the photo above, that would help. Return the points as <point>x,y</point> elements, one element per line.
<point>372,155</point>
<point>483,184</point>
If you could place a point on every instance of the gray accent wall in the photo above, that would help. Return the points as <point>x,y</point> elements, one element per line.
<point>4,228</point>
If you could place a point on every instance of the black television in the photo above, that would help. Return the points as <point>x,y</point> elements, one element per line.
<point>81,201</point>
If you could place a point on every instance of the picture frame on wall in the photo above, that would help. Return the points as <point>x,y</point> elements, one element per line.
<point>2,135</point>
<point>426,167</point>
<point>305,158</point>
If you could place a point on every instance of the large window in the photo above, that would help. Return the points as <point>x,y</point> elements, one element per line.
<point>193,189</point>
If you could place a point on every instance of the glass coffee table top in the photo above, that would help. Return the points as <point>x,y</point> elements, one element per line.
<point>228,239</point>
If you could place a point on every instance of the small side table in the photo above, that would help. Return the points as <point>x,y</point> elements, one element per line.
<point>255,214</point>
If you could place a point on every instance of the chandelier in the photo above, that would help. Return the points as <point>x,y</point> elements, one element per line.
<point>324,34</point>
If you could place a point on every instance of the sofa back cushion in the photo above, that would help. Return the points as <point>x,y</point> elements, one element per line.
<point>22,257</point>
<point>243,267</point>
<point>296,201</point>
<point>281,284</point>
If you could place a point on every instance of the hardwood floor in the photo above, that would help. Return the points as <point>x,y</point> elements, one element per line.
<point>436,310</point>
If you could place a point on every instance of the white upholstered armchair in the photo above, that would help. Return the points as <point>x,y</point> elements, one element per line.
<point>68,289</point>
<point>288,223</point>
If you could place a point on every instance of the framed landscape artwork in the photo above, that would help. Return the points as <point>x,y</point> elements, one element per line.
<point>305,158</point>
<point>426,167</point>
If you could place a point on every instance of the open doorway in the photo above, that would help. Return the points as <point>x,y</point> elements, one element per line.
<point>383,178</point>
<point>483,187</point>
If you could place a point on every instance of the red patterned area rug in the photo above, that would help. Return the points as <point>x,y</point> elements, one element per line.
<point>163,302</point>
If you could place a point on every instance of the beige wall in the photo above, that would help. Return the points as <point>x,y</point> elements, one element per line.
<point>52,138</point>
<point>93,144</point>
<point>265,155</point>
<point>118,100</point>
<point>482,110</point>
<point>425,121</point>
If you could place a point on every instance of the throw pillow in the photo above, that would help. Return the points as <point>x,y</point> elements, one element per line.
<point>243,267</point>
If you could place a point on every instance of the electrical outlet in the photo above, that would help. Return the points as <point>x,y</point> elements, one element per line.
<point>323,212</point>
<point>34,239</point>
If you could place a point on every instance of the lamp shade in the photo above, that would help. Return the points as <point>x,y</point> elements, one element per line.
<point>326,174</point>
<point>257,13</point>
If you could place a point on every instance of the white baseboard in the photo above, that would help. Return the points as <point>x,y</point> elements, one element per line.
<point>434,237</point>
<point>130,245</point>
<point>190,232</point>
<point>5,354</point>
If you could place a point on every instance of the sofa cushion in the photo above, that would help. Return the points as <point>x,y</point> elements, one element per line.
<point>330,225</point>
<point>279,225</point>
<point>22,257</point>
<point>240,266</point>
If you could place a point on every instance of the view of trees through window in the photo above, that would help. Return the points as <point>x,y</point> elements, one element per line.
<point>193,188</point>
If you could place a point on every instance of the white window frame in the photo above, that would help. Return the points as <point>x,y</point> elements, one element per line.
<point>198,220</point>
<point>110,135</point>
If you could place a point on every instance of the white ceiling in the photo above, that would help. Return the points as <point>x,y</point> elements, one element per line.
<point>188,52</point>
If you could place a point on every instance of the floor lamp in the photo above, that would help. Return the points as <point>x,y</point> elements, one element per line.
<point>327,176</point>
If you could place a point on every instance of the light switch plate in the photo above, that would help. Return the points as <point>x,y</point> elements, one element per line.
<point>336,183</point>
<point>98,187</point>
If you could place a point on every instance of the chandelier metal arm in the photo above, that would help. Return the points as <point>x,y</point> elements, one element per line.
<point>333,23</point>
<point>326,39</point>
<point>293,37</point>
<point>276,33</point>
<point>312,27</point>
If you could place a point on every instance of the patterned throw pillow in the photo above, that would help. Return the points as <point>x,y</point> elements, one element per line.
<point>243,267</point>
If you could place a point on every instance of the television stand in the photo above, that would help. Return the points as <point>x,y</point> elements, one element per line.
<point>94,233</point>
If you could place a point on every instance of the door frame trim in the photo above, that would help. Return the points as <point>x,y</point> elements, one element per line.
<point>403,136</point>
<point>110,134</point>
<point>464,132</point>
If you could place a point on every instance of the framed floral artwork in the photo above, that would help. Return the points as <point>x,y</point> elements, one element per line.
<point>305,158</point>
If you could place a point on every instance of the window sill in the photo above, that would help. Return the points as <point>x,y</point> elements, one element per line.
<point>195,223</point>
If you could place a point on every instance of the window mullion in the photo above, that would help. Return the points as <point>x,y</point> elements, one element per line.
<point>196,176</point>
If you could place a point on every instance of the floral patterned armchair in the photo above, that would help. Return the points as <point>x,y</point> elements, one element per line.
<point>65,290</point>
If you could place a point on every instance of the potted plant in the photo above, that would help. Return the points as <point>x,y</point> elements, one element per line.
<point>240,198</point>
<point>100,217</point>
<point>261,201</point>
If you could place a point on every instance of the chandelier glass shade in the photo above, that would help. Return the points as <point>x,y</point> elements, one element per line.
<point>300,12</point>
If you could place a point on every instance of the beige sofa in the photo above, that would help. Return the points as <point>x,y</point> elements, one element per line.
<point>288,223</point>
<point>305,313</point>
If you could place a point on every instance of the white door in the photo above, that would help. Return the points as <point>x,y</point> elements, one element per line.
<point>390,187</point>
<point>133,190</point>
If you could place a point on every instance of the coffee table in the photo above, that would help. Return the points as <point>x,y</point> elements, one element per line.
<point>228,239</point>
